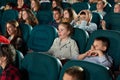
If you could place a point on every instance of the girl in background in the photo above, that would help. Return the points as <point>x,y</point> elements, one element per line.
<point>13,33</point>
<point>27,16</point>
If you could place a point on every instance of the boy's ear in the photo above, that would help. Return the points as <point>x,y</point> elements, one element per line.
<point>104,48</point>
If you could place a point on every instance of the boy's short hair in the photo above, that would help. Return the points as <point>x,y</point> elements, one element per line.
<point>76,72</point>
<point>59,9</point>
<point>104,40</point>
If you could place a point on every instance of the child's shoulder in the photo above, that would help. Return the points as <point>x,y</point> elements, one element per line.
<point>72,40</point>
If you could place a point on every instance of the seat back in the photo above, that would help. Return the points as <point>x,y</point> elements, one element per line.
<point>44,17</point>
<point>118,77</point>
<point>114,49</point>
<point>45,6</point>
<point>19,58</point>
<point>0,21</point>
<point>92,71</point>
<point>26,31</point>
<point>3,3</point>
<point>41,66</point>
<point>80,6</point>
<point>81,37</point>
<point>66,5</point>
<point>41,38</point>
<point>14,2</point>
<point>96,18</point>
<point>93,6</point>
<point>107,8</point>
<point>112,21</point>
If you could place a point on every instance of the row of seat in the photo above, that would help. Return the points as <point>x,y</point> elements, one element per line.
<point>40,66</point>
<point>78,6</point>
<point>47,34</point>
<point>44,17</point>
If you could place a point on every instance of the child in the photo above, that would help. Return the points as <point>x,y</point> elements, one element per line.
<point>74,73</point>
<point>117,8</point>
<point>100,8</point>
<point>97,53</point>
<point>64,46</point>
<point>7,57</point>
<point>83,21</point>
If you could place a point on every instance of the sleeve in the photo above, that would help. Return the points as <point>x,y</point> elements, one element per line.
<point>74,50</point>
<point>90,28</point>
<point>73,23</point>
<point>107,62</point>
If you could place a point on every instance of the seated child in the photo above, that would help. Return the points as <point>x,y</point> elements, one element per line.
<point>98,53</point>
<point>63,46</point>
<point>83,21</point>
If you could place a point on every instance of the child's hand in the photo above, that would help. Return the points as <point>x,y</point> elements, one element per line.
<point>97,53</point>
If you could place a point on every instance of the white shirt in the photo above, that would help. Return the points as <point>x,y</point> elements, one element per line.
<point>67,49</point>
<point>87,27</point>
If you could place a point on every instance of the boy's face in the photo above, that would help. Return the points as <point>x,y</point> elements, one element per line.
<point>98,45</point>
<point>117,8</point>
<point>100,5</point>
<point>67,77</point>
<point>56,15</point>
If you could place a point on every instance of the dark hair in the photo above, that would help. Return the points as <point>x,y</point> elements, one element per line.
<point>68,27</point>
<point>58,2</point>
<point>70,11</point>
<point>76,72</point>
<point>104,40</point>
<point>59,9</point>
<point>32,19</point>
<point>11,4</point>
<point>8,51</point>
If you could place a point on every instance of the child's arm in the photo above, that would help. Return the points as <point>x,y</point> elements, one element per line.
<point>103,59</point>
<point>82,56</point>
